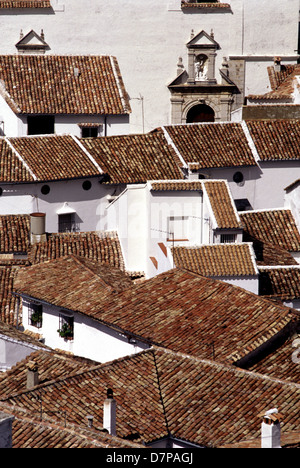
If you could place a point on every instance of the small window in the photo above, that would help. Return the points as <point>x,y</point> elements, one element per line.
<point>178,228</point>
<point>89,132</point>
<point>66,327</point>
<point>228,238</point>
<point>66,222</point>
<point>40,125</point>
<point>238,177</point>
<point>87,185</point>
<point>45,189</point>
<point>35,315</point>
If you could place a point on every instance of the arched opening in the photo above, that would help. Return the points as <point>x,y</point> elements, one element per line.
<point>200,113</point>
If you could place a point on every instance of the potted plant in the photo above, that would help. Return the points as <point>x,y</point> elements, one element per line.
<point>36,319</point>
<point>66,331</point>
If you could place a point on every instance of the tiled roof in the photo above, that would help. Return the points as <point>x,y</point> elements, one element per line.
<point>176,185</point>
<point>179,309</point>
<point>73,282</point>
<point>12,169</point>
<point>212,145</point>
<point>222,204</point>
<point>217,260</point>
<point>30,431</point>
<point>281,83</point>
<point>48,84</point>
<point>159,392</point>
<point>276,140</point>
<point>135,158</point>
<point>96,245</point>
<point>282,283</point>
<point>277,227</point>
<point>8,302</point>
<point>52,365</point>
<point>53,157</point>
<point>280,364</point>
<point>205,5</point>
<point>14,234</point>
<point>176,310</point>
<point>25,4</point>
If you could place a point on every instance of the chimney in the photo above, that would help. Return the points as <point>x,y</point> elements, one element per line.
<point>109,413</point>
<point>32,375</point>
<point>37,227</point>
<point>277,64</point>
<point>6,430</point>
<point>270,429</point>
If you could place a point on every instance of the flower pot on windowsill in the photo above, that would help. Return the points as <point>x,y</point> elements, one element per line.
<point>66,332</point>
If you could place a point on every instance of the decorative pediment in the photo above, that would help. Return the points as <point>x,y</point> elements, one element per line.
<point>32,43</point>
<point>202,41</point>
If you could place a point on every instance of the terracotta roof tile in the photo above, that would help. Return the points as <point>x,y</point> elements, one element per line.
<point>277,227</point>
<point>175,185</point>
<point>179,309</point>
<point>282,283</point>
<point>46,84</point>
<point>73,282</point>
<point>96,245</point>
<point>280,364</point>
<point>212,145</point>
<point>159,392</point>
<point>14,234</point>
<point>217,260</point>
<point>281,83</point>
<point>222,204</point>
<point>275,140</point>
<point>8,302</point>
<point>12,168</point>
<point>54,157</point>
<point>25,4</point>
<point>135,158</point>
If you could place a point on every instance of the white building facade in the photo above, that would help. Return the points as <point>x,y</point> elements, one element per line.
<point>149,38</point>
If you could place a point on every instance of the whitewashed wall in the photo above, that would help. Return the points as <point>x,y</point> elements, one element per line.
<point>91,340</point>
<point>13,351</point>
<point>141,217</point>
<point>148,37</point>
<point>90,206</point>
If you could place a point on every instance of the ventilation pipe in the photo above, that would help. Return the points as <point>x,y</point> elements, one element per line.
<point>109,413</point>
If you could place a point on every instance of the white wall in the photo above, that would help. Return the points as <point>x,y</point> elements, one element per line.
<point>92,340</point>
<point>263,186</point>
<point>148,37</point>
<point>13,351</point>
<point>90,206</point>
<point>250,283</point>
<point>142,220</point>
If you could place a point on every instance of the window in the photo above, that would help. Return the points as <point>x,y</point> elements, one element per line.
<point>35,315</point>
<point>178,228</point>
<point>89,132</point>
<point>40,125</point>
<point>66,223</point>
<point>66,326</point>
<point>228,238</point>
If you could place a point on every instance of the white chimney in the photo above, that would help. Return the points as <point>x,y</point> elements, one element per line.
<point>37,227</point>
<point>109,413</point>
<point>270,429</point>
